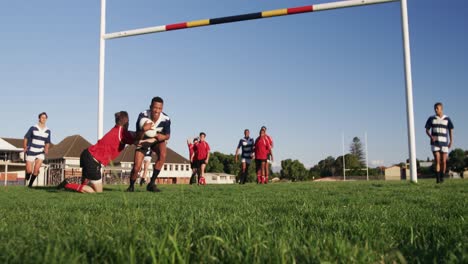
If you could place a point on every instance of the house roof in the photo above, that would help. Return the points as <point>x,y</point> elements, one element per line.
<point>70,147</point>
<point>16,142</point>
<point>128,154</point>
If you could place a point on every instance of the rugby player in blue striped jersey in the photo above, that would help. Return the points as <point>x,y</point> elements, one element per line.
<point>439,128</point>
<point>246,144</point>
<point>36,145</point>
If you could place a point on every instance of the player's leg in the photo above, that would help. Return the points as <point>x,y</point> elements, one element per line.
<point>246,172</point>
<point>194,172</point>
<point>437,161</point>
<point>29,169</point>
<point>91,171</point>
<point>267,171</point>
<point>264,171</point>
<point>443,165</point>
<point>161,151</point>
<point>96,186</point>
<point>243,172</point>
<point>36,169</point>
<point>258,167</point>
<point>137,161</point>
<point>145,170</point>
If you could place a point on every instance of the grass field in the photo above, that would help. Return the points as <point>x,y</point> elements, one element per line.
<point>337,222</point>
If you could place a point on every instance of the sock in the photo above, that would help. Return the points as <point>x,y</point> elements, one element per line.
<point>74,187</point>
<point>132,183</point>
<point>28,176</point>
<point>33,177</point>
<point>154,176</point>
<point>442,176</point>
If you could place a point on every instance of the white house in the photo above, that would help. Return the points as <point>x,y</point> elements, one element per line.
<point>219,178</point>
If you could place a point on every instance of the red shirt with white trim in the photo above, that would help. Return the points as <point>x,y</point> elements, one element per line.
<point>111,144</point>
<point>262,148</point>
<point>202,150</point>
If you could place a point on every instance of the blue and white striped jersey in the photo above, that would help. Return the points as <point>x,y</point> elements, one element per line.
<point>440,127</point>
<point>37,138</point>
<point>163,124</point>
<point>247,145</point>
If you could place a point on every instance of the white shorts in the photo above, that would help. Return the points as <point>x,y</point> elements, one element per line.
<point>96,181</point>
<point>444,149</point>
<point>32,158</point>
<point>246,160</point>
<point>147,158</point>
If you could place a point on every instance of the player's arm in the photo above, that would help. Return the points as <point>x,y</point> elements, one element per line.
<point>451,138</point>
<point>25,144</point>
<point>192,156</point>
<point>163,137</point>
<point>428,133</point>
<point>46,148</point>
<point>207,157</point>
<point>27,137</point>
<point>166,132</point>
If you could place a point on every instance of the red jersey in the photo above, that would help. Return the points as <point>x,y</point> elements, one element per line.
<point>111,144</point>
<point>270,140</point>
<point>262,148</point>
<point>192,151</point>
<point>202,150</point>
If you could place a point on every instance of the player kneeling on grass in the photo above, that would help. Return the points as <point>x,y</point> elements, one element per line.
<point>102,153</point>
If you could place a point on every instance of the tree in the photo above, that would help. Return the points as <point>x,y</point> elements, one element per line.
<point>326,167</point>
<point>293,170</point>
<point>352,163</point>
<point>356,150</point>
<point>214,164</point>
<point>456,161</point>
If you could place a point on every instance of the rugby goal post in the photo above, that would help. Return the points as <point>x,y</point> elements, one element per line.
<point>266,14</point>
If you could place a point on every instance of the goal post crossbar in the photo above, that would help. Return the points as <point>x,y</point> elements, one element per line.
<point>266,14</point>
<point>244,17</point>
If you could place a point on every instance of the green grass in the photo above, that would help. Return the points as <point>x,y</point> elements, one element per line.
<point>316,222</point>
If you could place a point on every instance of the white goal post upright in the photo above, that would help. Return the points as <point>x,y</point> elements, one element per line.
<point>409,91</point>
<point>102,53</point>
<point>267,14</point>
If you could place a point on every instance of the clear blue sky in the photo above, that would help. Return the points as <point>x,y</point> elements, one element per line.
<point>308,78</point>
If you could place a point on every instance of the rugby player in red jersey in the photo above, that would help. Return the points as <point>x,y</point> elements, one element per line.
<point>101,154</point>
<point>262,150</point>
<point>203,156</point>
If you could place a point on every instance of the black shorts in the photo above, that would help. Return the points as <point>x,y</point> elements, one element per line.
<point>258,162</point>
<point>194,164</point>
<point>201,162</point>
<point>91,169</point>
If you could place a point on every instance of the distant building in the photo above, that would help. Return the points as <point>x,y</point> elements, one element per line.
<point>219,178</point>
<point>11,149</point>
<point>12,166</point>
<point>396,173</point>
<point>176,169</point>
<point>425,164</point>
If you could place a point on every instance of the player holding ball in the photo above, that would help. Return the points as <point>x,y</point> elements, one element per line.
<point>157,136</point>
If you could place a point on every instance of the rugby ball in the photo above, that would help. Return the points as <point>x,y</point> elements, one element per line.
<point>152,131</point>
